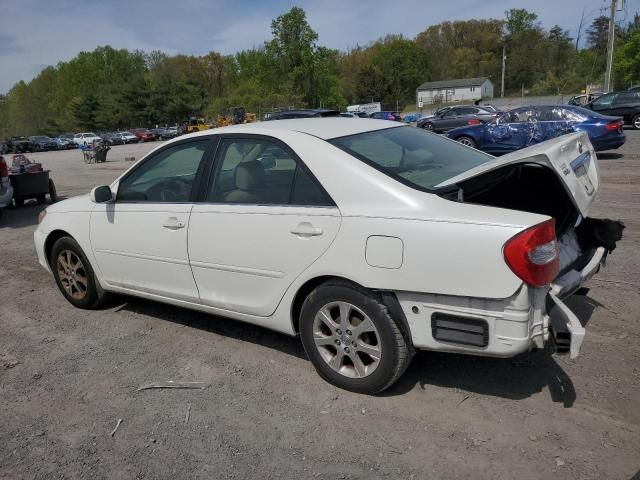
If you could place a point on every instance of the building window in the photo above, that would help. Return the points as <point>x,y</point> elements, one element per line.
<point>473,89</point>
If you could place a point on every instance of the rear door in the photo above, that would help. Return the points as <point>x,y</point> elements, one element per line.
<point>265,219</point>
<point>625,104</point>
<point>572,158</point>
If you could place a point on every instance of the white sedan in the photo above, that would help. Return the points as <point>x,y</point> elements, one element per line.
<point>86,139</point>
<point>368,239</point>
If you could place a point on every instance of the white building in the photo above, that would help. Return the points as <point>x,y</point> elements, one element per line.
<point>458,90</point>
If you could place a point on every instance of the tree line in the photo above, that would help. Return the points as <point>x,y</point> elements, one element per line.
<point>114,89</point>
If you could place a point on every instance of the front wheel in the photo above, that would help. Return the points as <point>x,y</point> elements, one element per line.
<point>467,142</point>
<point>74,275</point>
<point>428,126</point>
<point>635,121</point>
<point>351,339</point>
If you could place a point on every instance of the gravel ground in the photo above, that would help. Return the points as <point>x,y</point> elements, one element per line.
<point>67,376</point>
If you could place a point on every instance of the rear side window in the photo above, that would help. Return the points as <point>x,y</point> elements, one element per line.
<point>626,97</point>
<point>417,158</point>
<point>260,172</point>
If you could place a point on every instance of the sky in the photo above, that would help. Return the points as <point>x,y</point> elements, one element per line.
<point>37,33</point>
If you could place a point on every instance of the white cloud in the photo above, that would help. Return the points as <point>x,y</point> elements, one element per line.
<point>44,32</point>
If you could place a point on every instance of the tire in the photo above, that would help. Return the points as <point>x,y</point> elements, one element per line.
<point>467,141</point>
<point>66,251</point>
<point>53,193</point>
<point>355,366</point>
<point>428,126</point>
<point>635,121</point>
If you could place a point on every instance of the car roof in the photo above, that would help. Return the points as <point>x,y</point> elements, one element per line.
<point>325,128</point>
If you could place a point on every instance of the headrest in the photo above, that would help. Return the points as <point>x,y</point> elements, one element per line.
<point>250,175</point>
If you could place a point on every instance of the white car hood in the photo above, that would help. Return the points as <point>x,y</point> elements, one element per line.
<point>571,156</point>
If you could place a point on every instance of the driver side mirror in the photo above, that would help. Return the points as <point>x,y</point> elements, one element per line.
<point>101,194</point>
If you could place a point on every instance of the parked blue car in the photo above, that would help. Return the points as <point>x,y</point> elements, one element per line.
<point>524,126</point>
<point>395,116</point>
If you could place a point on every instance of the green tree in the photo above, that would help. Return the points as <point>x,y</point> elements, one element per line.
<point>627,61</point>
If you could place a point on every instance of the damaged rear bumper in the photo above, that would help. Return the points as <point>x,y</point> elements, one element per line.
<point>500,327</point>
<point>567,332</point>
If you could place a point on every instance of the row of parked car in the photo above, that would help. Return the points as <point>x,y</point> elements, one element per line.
<point>43,143</point>
<point>321,112</point>
<point>487,128</point>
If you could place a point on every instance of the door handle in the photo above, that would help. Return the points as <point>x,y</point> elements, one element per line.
<point>305,229</point>
<point>173,224</point>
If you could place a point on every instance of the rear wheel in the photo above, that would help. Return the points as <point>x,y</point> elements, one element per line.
<point>53,193</point>
<point>74,275</point>
<point>351,339</point>
<point>636,122</point>
<point>467,141</point>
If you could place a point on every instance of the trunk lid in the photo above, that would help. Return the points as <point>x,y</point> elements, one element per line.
<point>571,156</point>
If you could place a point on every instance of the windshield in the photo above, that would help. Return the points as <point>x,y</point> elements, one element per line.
<point>411,155</point>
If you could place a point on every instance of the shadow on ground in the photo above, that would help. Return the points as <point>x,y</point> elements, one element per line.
<point>609,156</point>
<point>19,217</point>
<point>515,378</point>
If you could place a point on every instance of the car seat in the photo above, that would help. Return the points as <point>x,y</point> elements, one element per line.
<point>250,182</point>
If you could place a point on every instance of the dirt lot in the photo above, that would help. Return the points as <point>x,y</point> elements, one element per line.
<point>67,376</point>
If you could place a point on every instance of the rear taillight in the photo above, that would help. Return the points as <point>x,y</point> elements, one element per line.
<point>474,121</point>
<point>615,125</point>
<point>533,254</point>
<point>4,170</point>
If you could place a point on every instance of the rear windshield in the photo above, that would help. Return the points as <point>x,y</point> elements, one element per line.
<point>584,111</point>
<point>411,155</point>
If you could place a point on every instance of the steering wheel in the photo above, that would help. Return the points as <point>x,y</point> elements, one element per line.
<point>168,191</point>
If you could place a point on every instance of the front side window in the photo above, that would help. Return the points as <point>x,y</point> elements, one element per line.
<point>167,177</point>
<point>260,172</point>
<point>605,100</point>
<point>411,155</point>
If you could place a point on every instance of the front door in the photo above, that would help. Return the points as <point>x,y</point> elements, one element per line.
<point>449,120</point>
<point>265,220</point>
<point>140,239</point>
<point>604,104</point>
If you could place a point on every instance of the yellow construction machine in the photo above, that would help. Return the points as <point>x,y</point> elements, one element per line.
<point>235,116</point>
<point>196,124</point>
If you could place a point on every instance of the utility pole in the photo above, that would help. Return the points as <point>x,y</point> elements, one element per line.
<point>611,39</point>
<point>504,58</point>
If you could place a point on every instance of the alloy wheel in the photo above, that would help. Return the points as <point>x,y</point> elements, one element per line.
<point>347,339</point>
<point>466,142</point>
<point>636,122</point>
<point>72,274</point>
